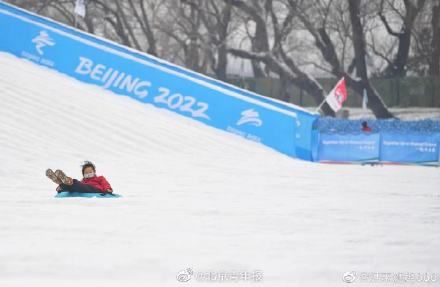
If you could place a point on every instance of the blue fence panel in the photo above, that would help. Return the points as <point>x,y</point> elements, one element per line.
<point>151,80</point>
<point>437,136</point>
<point>315,144</point>
<point>409,148</point>
<point>348,147</point>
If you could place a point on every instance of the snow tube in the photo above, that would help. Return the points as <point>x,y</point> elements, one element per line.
<point>64,194</point>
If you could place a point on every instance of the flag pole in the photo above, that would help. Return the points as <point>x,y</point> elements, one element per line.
<point>320,106</point>
<point>75,21</point>
<point>364,99</point>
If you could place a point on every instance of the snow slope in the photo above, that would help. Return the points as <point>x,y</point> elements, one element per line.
<point>194,197</point>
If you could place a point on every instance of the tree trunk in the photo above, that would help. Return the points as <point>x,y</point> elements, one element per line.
<point>434,64</point>
<point>374,100</point>
<point>259,44</point>
<point>223,23</point>
<point>222,62</point>
<point>397,68</point>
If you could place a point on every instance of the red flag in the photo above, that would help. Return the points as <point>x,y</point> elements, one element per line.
<point>337,96</point>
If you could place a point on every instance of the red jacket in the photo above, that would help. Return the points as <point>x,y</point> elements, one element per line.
<point>98,182</point>
<point>366,129</point>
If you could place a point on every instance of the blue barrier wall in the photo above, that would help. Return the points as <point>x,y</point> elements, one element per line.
<point>281,126</point>
<point>409,148</point>
<point>378,147</point>
<point>348,147</point>
<point>407,142</point>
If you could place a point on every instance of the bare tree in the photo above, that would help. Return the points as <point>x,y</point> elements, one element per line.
<point>434,63</point>
<point>375,102</point>
<point>217,19</point>
<point>188,32</point>
<point>275,56</point>
<point>130,21</point>
<point>286,65</point>
<point>330,21</point>
<point>397,66</point>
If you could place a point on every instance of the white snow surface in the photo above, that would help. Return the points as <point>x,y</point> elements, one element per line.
<point>193,197</point>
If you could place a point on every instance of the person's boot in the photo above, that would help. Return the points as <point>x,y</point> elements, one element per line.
<point>52,176</point>
<point>63,177</point>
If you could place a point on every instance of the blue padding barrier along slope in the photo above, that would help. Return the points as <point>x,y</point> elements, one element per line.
<point>281,126</point>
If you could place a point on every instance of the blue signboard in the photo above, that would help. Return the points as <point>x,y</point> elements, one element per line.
<point>409,148</point>
<point>348,147</point>
<point>283,127</point>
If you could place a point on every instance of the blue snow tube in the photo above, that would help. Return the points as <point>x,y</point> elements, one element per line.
<point>64,194</point>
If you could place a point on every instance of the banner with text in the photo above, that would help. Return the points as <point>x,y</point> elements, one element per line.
<point>348,147</point>
<point>423,149</point>
<point>409,148</point>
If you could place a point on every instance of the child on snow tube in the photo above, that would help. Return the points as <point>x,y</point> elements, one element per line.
<point>91,183</point>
